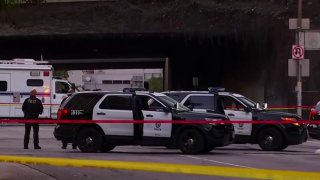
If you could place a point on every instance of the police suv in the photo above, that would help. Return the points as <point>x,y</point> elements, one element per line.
<point>118,106</point>
<point>270,137</point>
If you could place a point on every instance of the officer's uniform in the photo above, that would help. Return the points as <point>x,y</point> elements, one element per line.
<point>32,107</point>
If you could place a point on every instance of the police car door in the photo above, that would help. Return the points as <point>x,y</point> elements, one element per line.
<point>115,107</point>
<point>235,110</point>
<point>153,110</point>
<point>199,102</point>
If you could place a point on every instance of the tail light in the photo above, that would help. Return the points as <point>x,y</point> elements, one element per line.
<point>46,73</point>
<point>62,113</point>
<point>313,112</point>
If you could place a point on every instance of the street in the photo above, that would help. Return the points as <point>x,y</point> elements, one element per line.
<point>298,158</point>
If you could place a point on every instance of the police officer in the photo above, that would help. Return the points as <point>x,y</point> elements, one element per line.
<point>32,107</point>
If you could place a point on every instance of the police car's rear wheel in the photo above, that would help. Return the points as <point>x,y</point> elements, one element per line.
<point>191,141</point>
<point>270,139</point>
<point>89,140</point>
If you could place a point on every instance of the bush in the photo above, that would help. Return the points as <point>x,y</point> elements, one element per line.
<point>6,4</point>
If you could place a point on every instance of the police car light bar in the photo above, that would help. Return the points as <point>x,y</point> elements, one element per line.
<point>216,89</point>
<point>133,89</point>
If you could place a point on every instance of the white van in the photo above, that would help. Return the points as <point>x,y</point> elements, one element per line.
<point>19,76</point>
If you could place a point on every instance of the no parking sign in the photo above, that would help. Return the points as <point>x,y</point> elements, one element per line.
<point>297,52</point>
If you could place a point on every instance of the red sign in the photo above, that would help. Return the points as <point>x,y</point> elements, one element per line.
<point>297,52</point>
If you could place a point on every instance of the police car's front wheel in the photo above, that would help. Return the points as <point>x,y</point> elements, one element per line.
<point>191,141</point>
<point>89,140</point>
<point>271,139</point>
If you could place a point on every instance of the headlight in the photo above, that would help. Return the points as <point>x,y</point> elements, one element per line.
<point>290,119</point>
<point>214,121</point>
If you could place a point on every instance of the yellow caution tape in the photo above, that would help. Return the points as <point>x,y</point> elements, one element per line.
<point>167,168</point>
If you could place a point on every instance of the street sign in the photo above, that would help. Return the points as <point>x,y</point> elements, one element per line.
<point>297,52</point>
<point>305,67</point>
<point>310,39</point>
<point>293,23</point>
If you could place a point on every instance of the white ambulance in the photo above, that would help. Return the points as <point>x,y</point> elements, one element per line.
<point>19,76</point>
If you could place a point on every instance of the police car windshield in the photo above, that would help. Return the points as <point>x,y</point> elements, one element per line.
<point>248,102</point>
<point>173,103</point>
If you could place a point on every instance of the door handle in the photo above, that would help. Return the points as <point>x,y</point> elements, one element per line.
<point>230,114</point>
<point>54,96</point>
<point>101,113</point>
<point>149,115</point>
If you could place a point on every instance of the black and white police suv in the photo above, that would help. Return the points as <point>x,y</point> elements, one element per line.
<point>97,105</point>
<point>270,137</point>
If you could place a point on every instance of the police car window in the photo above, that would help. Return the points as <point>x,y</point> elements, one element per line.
<point>84,102</point>
<point>149,104</point>
<point>318,106</point>
<point>3,85</point>
<point>154,105</point>
<point>34,82</point>
<point>172,103</point>
<point>116,102</point>
<point>231,104</point>
<point>62,87</point>
<point>200,102</point>
<point>178,97</point>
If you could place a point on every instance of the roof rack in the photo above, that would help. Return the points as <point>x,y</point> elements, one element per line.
<point>23,61</point>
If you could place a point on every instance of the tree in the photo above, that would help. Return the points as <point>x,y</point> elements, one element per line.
<point>63,74</point>
<point>156,84</point>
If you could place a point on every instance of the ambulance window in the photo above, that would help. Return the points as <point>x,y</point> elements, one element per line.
<point>116,102</point>
<point>34,82</point>
<point>3,85</point>
<point>62,87</point>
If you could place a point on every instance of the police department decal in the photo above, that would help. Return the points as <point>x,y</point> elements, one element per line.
<point>157,127</point>
<point>240,126</point>
<point>77,112</point>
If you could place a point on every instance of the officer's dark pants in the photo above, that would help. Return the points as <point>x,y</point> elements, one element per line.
<point>35,134</point>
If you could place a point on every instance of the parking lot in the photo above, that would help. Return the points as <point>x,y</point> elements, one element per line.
<point>298,158</point>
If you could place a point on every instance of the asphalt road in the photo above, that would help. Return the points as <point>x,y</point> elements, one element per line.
<point>298,158</point>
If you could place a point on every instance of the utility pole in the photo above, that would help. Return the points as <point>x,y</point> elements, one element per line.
<point>299,82</point>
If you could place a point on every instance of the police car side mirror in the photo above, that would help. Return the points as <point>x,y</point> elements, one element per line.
<point>73,86</point>
<point>247,109</point>
<point>265,105</point>
<point>166,110</point>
